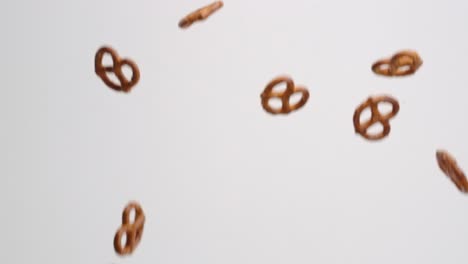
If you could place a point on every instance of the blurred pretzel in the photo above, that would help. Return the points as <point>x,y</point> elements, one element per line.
<point>285,95</point>
<point>116,68</point>
<point>401,64</point>
<point>449,166</point>
<point>376,116</point>
<point>132,230</point>
<point>200,14</point>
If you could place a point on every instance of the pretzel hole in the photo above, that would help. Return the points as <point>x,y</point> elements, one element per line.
<point>275,103</point>
<point>365,116</point>
<point>127,71</point>
<point>295,98</point>
<point>375,129</point>
<point>123,239</point>
<point>132,216</point>
<point>384,67</point>
<point>385,108</point>
<point>280,87</point>
<point>107,60</point>
<point>404,68</point>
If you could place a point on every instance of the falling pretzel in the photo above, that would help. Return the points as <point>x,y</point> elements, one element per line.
<point>131,230</point>
<point>200,14</point>
<point>449,166</point>
<point>401,64</point>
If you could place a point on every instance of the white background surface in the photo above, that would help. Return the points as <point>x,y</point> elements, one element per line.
<point>220,180</point>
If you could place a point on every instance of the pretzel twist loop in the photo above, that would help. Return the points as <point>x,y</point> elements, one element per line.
<point>132,230</point>
<point>116,68</point>
<point>401,64</point>
<point>284,96</point>
<point>376,116</point>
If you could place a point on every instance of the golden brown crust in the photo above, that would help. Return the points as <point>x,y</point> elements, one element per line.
<point>116,68</point>
<point>449,166</point>
<point>376,116</point>
<point>401,64</point>
<point>132,230</point>
<point>285,95</point>
<point>200,14</point>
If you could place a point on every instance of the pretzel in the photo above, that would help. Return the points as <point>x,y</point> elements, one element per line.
<point>116,68</point>
<point>449,166</point>
<point>376,116</point>
<point>285,95</point>
<point>200,14</point>
<point>401,64</point>
<point>133,231</point>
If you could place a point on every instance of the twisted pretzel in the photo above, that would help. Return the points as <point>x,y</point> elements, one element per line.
<point>285,95</point>
<point>133,231</point>
<point>401,64</point>
<point>450,167</point>
<point>200,14</point>
<point>376,116</point>
<point>116,68</point>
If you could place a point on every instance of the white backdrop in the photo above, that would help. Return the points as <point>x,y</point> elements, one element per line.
<point>220,180</point>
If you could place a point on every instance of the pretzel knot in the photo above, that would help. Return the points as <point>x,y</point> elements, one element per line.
<point>116,68</point>
<point>401,64</point>
<point>376,117</point>
<point>132,230</point>
<point>284,96</point>
<point>450,167</point>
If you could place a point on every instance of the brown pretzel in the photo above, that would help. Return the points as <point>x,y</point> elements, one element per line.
<point>401,64</point>
<point>116,68</point>
<point>285,95</point>
<point>449,166</point>
<point>376,116</point>
<point>200,14</point>
<point>132,230</point>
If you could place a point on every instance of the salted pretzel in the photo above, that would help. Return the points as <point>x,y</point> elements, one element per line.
<point>401,64</point>
<point>376,116</point>
<point>102,71</point>
<point>200,14</point>
<point>285,96</point>
<point>132,230</point>
<point>449,166</point>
